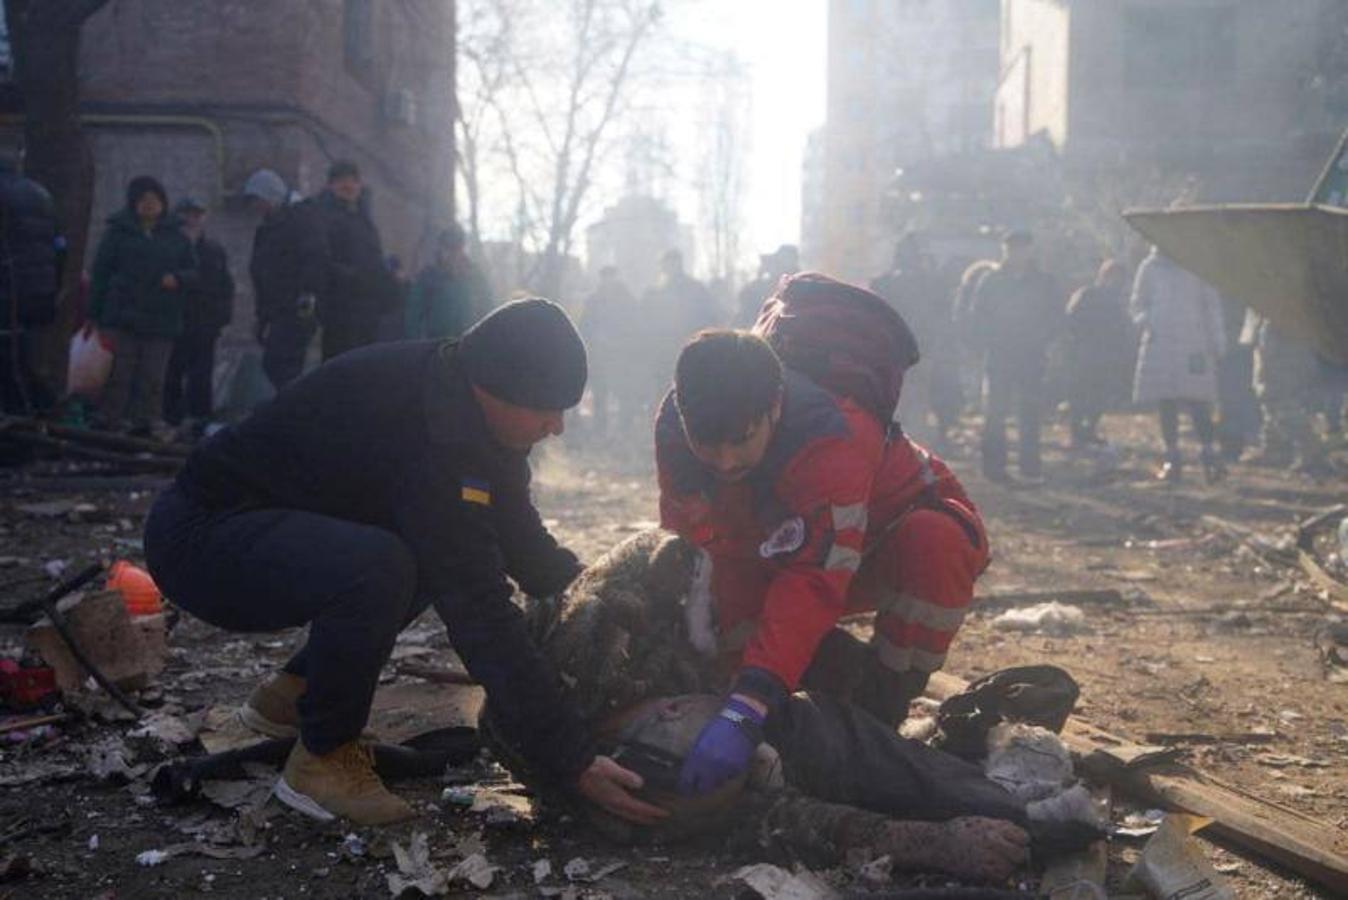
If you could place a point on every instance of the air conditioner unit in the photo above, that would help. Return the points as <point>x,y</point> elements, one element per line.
<point>401,106</point>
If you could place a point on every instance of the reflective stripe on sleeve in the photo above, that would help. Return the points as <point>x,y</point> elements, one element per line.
<point>842,558</point>
<point>851,516</point>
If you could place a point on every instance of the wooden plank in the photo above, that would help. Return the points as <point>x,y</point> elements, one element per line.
<point>1279,833</point>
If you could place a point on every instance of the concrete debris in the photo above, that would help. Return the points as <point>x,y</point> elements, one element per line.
<point>111,759</point>
<point>415,869</point>
<point>474,870</point>
<point>775,883</point>
<point>129,651</point>
<point>1173,865</point>
<point>1049,618</point>
<point>353,846</point>
<point>241,794</point>
<point>152,857</point>
<point>541,870</point>
<point>166,728</point>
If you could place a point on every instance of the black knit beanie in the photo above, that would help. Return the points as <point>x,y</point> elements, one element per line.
<point>527,353</point>
<point>142,185</point>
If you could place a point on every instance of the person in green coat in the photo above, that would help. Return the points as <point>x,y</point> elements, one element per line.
<point>450,294</point>
<point>141,273</point>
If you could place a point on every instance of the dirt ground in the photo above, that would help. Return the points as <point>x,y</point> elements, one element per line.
<point>1212,651</point>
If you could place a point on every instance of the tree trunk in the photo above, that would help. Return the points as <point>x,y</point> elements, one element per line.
<point>45,38</point>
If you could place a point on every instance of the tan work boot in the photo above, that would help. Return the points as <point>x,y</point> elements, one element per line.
<point>271,708</point>
<point>340,783</point>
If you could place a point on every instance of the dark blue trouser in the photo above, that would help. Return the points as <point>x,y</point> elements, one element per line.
<point>258,570</point>
<point>285,347</point>
<point>187,384</point>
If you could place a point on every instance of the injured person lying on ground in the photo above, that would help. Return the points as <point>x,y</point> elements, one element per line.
<point>829,779</point>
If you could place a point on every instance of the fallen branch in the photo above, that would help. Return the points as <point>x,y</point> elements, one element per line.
<point>31,722</point>
<point>144,463</point>
<point>94,437</point>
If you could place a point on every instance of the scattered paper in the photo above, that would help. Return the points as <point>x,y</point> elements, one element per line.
<point>475,870</point>
<point>775,883</point>
<point>1050,618</point>
<point>415,869</point>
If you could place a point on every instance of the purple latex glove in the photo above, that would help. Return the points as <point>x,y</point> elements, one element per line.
<point>723,749</point>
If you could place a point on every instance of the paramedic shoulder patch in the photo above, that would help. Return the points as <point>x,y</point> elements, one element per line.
<point>788,538</point>
<point>476,490</point>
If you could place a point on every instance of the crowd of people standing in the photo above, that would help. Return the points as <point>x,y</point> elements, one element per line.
<point>161,292</point>
<point>1011,331</point>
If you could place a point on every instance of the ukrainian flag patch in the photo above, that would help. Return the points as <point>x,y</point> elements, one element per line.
<point>476,490</point>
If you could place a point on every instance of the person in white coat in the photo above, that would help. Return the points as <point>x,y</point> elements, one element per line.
<point>1180,317</point>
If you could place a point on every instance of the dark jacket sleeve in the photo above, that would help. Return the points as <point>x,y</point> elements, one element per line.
<point>462,564</point>
<point>217,284</point>
<point>540,565</point>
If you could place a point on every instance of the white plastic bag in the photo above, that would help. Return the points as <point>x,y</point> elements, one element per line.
<point>90,362</point>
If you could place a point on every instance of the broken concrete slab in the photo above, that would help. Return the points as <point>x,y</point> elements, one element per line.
<point>129,650</point>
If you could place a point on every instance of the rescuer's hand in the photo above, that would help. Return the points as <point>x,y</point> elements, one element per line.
<point>725,747</point>
<point>608,785</point>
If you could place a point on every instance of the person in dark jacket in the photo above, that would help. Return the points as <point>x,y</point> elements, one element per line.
<point>1101,347</point>
<point>288,268</point>
<point>32,252</point>
<point>208,307</point>
<point>611,323</point>
<point>141,273</point>
<point>1016,314</point>
<point>931,390</point>
<point>448,295</point>
<point>359,288</point>
<point>389,480</point>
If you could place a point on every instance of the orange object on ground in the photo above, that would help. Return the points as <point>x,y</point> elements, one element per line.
<point>138,590</point>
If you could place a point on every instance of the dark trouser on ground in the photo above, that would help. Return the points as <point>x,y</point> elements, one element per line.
<point>1006,391</point>
<point>837,752</point>
<point>187,386</point>
<point>341,334</point>
<point>22,392</point>
<point>285,347</point>
<point>256,570</point>
<point>1239,408</point>
<point>135,389</point>
<point>1200,414</point>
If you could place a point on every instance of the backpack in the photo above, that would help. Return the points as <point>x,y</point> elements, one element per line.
<point>845,338</point>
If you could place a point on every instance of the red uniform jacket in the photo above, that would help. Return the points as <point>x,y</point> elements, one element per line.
<point>786,542</point>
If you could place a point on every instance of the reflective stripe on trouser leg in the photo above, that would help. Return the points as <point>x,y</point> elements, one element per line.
<point>905,658</point>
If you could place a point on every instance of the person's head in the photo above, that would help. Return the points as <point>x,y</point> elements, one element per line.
<point>146,198</point>
<point>1111,274</point>
<point>786,261</point>
<point>671,264</point>
<point>527,366</point>
<point>728,392</point>
<point>265,191</point>
<point>191,212</point>
<point>910,251</point>
<point>344,181</point>
<point>1017,248</point>
<point>450,243</point>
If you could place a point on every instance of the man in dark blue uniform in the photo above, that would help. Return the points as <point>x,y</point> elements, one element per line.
<point>388,480</point>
